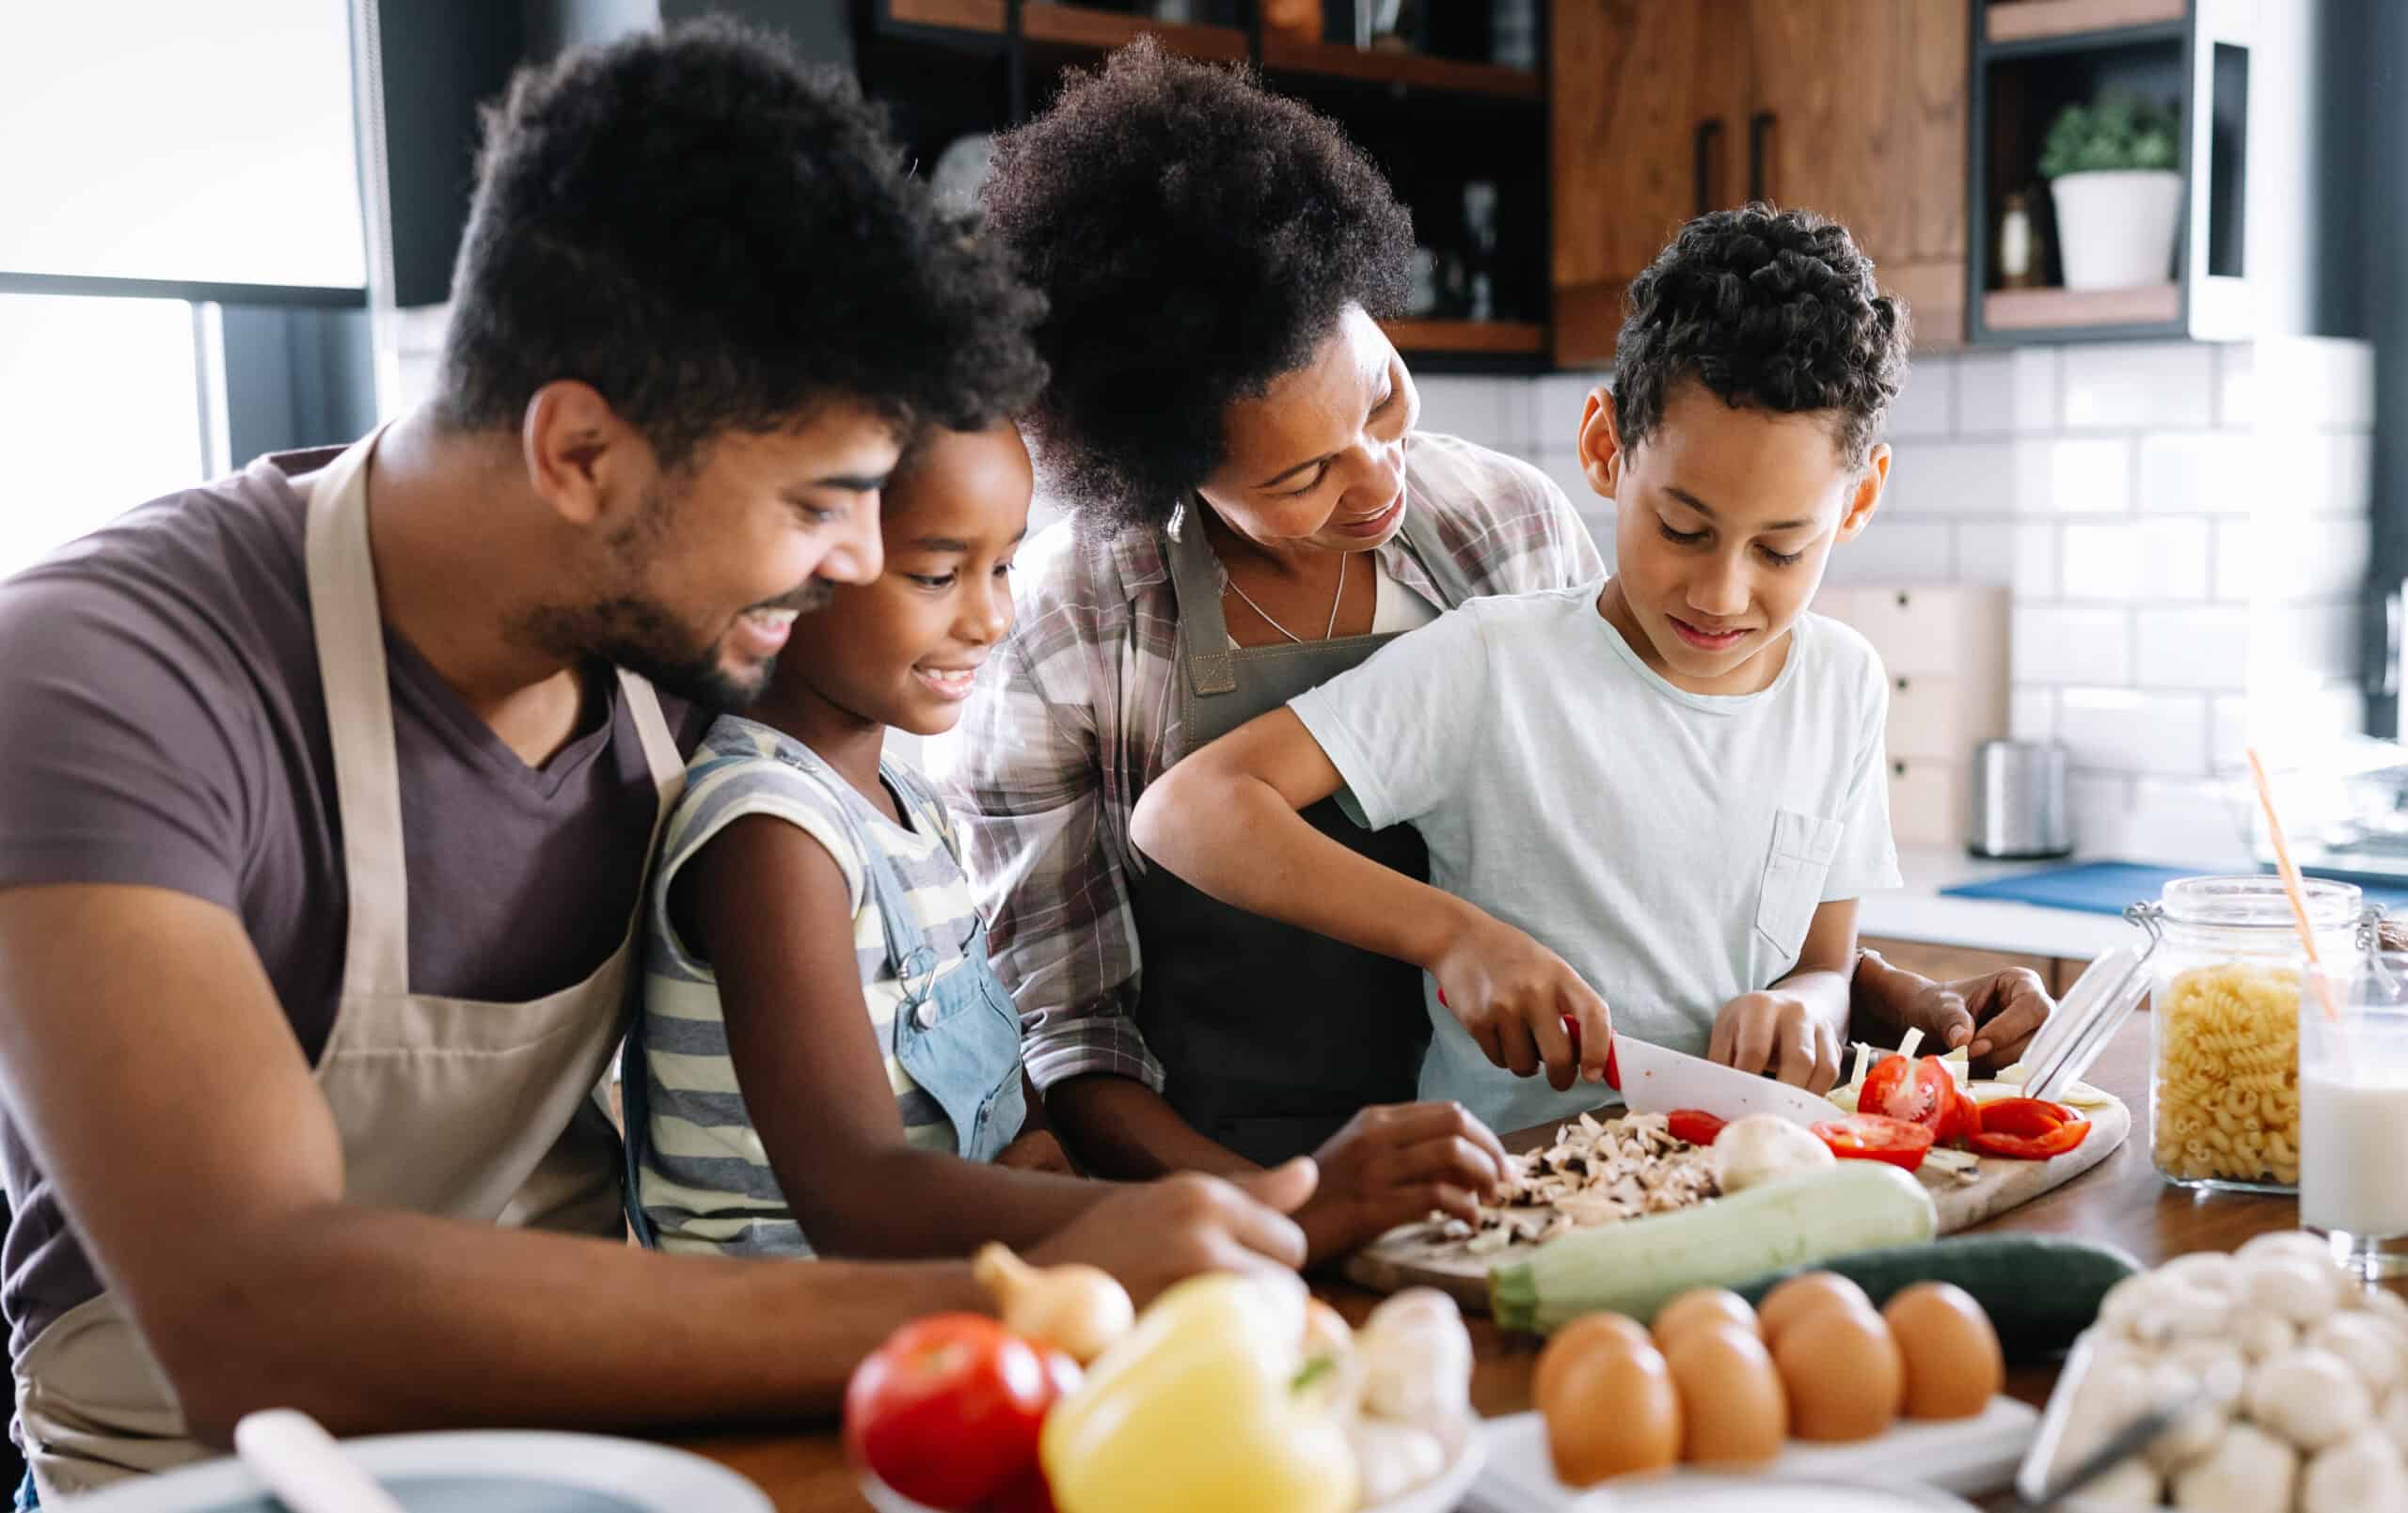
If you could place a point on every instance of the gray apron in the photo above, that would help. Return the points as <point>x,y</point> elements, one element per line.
<point>1272,1037</point>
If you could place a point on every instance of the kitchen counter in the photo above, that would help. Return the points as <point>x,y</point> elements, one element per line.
<point>2120,1202</point>
<point>1918,911</point>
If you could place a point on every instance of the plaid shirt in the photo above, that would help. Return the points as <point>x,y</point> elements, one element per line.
<point>1079,710</point>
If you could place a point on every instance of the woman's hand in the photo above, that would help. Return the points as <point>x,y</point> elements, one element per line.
<point>1514,995</point>
<point>1395,1165</point>
<point>1779,1033</point>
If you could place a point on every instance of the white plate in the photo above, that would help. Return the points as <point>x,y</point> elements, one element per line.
<point>1974,1456</point>
<point>1690,1492</point>
<point>473,1471</point>
<point>1440,1496</point>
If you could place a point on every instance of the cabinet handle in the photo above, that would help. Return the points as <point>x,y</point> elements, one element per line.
<point>1902,685</point>
<point>1897,769</point>
<point>1702,148</point>
<point>1760,130</point>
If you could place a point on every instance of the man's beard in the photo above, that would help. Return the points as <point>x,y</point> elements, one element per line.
<point>641,635</point>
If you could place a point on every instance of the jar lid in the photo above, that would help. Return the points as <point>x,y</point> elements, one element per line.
<point>2093,1010</point>
<point>2258,901</point>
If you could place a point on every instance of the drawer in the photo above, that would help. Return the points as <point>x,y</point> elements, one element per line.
<point>1929,717</point>
<point>1915,630</point>
<point>1927,801</point>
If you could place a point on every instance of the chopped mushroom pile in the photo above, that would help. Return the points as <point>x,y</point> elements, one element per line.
<point>1594,1173</point>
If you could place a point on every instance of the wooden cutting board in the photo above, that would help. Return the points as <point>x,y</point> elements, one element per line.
<point>1405,1258</point>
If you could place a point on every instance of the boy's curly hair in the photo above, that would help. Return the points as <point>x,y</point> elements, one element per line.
<point>1196,236</point>
<point>717,237</point>
<point>1772,308</point>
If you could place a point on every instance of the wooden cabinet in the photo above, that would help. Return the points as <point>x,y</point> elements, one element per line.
<point>1664,109</point>
<point>1946,650</point>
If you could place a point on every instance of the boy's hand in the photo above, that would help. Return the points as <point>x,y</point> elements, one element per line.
<point>1779,1033</point>
<point>1395,1165</point>
<point>1152,1235</point>
<point>1514,995</point>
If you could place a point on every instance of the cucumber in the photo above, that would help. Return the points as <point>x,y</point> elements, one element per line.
<point>1638,1266</point>
<point>2040,1291</point>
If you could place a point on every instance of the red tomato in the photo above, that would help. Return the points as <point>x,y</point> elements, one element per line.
<point>947,1410</point>
<point>1028,1493</point>
<point>2056,1140</point>
<point>1872,1137</point>
<point>2024,1116</point>
<point>1695,1125</point>
<point>1919,1093</point>
<point>1963,1117</point>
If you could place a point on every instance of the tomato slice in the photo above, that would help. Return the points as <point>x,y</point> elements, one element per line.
<point>2056,1142</point>
<point>2024,1116</point>
<point>1872,1137</point>
<point>1695,1125</point>
<point>1918,1092</point>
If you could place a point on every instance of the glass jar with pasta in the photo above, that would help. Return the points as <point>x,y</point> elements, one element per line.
<point>2224,1033</point>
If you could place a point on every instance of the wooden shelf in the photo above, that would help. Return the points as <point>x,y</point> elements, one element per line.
<point>2048,309</point>
<point>1078,26</point>
<point>959,15</point>
<point>1414,71</point>
<point>2031,20</point>
<point>1507,339</point>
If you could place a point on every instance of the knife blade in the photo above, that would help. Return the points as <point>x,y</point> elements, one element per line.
<point>1654,1080</point>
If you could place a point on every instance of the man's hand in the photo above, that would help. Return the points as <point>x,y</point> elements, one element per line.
<point>1779,1033</point>
<point>1994,1016</point>
<point>1151,1235</point>
<point>1394,1165</point>
<point>1513,995</point>
<point>1037,1150</point>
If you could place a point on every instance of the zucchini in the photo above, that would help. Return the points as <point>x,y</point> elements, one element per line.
<point>1638,1266</point>
<point>2039,1290</point>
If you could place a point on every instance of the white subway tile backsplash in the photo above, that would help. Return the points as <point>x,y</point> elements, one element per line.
<point>2065,644</point>
<point>1926,405</point>
<point>2128,386</point>
<point>2191,648</point>
<point>1564,469</point>
<point>2152,559</point>
<point>418,328</point>
<point>2008,555</point>
<point>2088,476</point>
<point>2126,729</point>
<point>2309,383</point>
<point>2204,825</point>
<point>2032,713</point>
<point>1557,403</point>
<point>2006,393</point>
<point>2291,642</point>
<point>1493,411</point>
<point>2236,386</point>
<point>2331,473</point>
<point>2100,804</point>
<point>1952,478</point>
<point>2229,733</point>
<point>2295,559</point>
<point>1898,551</point>
<point>2205,474</point>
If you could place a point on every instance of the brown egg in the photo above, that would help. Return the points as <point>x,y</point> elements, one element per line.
<point>1954,1363</point>
<point>1844,1374</point>
<point>1614,1410</point>
<point>1800,1296</point>
<point>1701,1305</point>
<point>1732,1407</point>
<point>1577,1339</point>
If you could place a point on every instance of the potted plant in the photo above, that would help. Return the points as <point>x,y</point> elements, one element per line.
<point>2111,172</point>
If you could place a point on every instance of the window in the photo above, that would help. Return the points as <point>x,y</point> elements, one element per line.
<point>163,139</point>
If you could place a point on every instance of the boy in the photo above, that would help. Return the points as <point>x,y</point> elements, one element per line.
<point>1673,778</point>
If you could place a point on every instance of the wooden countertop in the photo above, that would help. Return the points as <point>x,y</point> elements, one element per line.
<point>2120,1203</point>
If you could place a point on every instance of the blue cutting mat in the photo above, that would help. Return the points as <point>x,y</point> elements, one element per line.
<point>2108,887</point>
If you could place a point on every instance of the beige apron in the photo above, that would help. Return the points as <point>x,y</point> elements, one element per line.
<point>473,1111</point>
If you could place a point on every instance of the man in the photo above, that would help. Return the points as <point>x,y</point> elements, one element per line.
<point>326,790</point>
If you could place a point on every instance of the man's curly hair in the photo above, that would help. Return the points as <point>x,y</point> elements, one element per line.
<point>1195,237</point>
<point>1772,308</point>
<point>719,237</point>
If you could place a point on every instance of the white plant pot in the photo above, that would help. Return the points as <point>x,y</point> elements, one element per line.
<point>2116,230</point>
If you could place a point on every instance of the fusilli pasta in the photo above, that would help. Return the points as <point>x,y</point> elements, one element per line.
<point>2226,1102</point>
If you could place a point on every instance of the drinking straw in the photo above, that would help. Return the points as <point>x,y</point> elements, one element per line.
<point>2291,887</point>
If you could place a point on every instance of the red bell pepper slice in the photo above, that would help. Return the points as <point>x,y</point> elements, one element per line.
<point>1872,1137</point>
<point>1695,1125</point>
<point>2028,1129</point>
<point>1963,1117</point>
<point>2024,1116</point>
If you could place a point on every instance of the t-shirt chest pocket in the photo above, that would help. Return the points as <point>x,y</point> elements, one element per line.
<point>1803,845</point>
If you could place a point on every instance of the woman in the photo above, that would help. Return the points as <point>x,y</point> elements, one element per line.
<point>1253,512</point>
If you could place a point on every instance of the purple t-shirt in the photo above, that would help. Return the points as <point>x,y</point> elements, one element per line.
<point>162,723</point>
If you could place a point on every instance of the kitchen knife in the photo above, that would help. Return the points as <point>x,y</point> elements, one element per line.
<point>1655,1081</point>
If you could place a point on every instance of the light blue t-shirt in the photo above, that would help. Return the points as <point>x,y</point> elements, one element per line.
<point>1671,847</point>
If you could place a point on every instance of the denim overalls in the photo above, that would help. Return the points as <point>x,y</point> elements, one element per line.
<point>957,1036</point>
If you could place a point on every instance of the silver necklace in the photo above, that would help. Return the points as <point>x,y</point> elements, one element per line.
<point>1328,631</point>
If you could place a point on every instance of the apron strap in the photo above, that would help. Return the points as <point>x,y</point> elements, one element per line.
<point>350,634</point>
<point>660,746</point>
<point>1195,583</point>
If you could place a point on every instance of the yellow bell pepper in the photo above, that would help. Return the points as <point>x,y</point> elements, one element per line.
<point>1205,1407</point>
